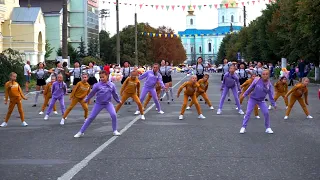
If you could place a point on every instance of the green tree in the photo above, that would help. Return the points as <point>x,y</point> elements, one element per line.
<point>82,49</point>
<point>106,47</point>
<point>72,53</point>
<point>48,49</point>
<point>11,61</point>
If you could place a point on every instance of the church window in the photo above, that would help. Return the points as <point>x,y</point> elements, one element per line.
<point>232,18</point>
<point>191,21</point>
<point>200,49</point>
<point>209,47</point>
<point>239,18</point>
<point>191,49</point>
<point>223,19</point>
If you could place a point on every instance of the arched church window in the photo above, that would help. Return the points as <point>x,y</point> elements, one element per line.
<point>239,18</point>
<point>191,21</point>
<point>200,49</point>
<point>232,18</point>
<point>223,19</point>
<point>209,46</point>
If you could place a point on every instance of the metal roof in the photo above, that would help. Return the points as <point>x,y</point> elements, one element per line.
<point>25,15</point>
<point>215,31</point>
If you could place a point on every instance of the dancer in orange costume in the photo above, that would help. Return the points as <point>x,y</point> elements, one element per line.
<point>158,90</point>
<point>14,92</point>
<point>281,89</point>
<point>202,90</point>
<point>191,87</point>
<point>47,96</point>
<point>131,88</point>
<point>79,92</point>
<point>297,92</point>
<point>244,88</point>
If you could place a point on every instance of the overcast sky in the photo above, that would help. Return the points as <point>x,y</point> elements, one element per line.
<point>176,19</point>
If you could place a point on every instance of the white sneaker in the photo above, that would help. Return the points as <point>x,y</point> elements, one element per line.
<point>4,124</point>
<point>24,124</point>
<point>286,117</point>
<point>46,117</point>
<point>287,107</point>
<point>309,117</point>
<point>116,133</point>
<point>160,112</point>
<point>156,109</point>
<point>62,122</point>
<point>242,130</point>
<point>180,117</point>
<point>55,112</point>
<point>269,131</point>
<point>212,107</point>
<point>143,118</point>
<point>241,112</point>
<point>79,134</point>
<point>237,108</point>
<point>257,117</point>
<point>137,112</point>
<point>201,116</point>
<point>219,111</point>
<point>41,112</point>
<point>188,108</point>
<point>270,107</point>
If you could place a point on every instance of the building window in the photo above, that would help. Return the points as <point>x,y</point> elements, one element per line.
<point>239,18</point>
<point>222,19</point>
<point>200,49</point>
<point>232,18</point>
<point>191,21</point>
<point>191,49</point>
<point>209,46</point>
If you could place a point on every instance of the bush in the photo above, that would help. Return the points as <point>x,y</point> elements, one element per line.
<point>11,61</point>
<point>277,73</point>
<point>86,60</point>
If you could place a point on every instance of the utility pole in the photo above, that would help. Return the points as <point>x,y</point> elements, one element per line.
<point>136,39</point>
<point>65,31</point>
<point>244,16</point>
<point>118,34</point>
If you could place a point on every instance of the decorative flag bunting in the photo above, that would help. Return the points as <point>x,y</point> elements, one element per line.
<point>199,6</point>
<point>169,35</point>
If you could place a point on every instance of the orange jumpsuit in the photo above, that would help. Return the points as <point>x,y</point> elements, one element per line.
<point>281,89</point>
<point>79,92</point>
<point>297,92</point>
<point>158,90</point>
<point>190,91</point>
<point>130,88</point>
<point>244,88</point>
<point>47,96</point>
<point>202,90</point>
<point>14,92</point>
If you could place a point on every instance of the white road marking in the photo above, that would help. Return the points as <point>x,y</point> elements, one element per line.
<point>78,167</point>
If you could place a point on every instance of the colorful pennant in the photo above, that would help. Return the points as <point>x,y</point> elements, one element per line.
<point>187,7</point>
<point>169,35</point>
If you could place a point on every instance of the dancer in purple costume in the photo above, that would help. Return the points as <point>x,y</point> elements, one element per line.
<point>230,81</point>
<point>153,76</point>
<point>58,90</point>
<point>259,88</point>
<point>103,91</point>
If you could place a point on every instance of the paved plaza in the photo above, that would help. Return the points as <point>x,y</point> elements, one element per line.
<point>163,147</point>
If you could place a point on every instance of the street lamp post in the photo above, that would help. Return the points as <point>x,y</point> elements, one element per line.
<point>118,34</point>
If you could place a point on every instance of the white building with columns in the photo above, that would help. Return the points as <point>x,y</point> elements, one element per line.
<point>206,42</point>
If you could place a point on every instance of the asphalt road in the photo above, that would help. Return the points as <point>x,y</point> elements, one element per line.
<point>163,147</point>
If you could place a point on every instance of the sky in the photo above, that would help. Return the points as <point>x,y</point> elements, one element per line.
<point>206,18</point>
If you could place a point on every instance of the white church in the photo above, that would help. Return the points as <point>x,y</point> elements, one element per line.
<point>206,42</point>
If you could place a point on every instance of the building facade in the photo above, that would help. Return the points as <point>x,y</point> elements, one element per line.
<point>83,21</point>
<point>206,42</point>
<point>22,29</point>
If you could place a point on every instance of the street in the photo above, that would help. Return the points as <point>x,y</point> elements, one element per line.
<point>163,147</point>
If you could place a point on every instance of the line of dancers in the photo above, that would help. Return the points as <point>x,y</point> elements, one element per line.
<point>256,88</point>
